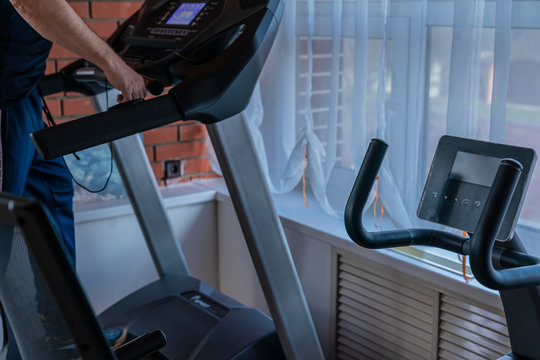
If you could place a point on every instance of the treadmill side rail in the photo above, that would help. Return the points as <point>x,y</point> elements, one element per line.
<point>265,238</point>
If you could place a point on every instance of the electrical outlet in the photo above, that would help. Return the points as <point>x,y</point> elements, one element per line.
<point>173,169</point>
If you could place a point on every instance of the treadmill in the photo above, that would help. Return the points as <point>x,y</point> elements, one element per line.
<point>211,53</point>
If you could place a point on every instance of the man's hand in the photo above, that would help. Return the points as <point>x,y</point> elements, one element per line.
<point>125,79</point>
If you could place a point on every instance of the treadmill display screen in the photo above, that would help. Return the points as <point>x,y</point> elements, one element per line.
<point>185,13</point>
<point>474,168</point>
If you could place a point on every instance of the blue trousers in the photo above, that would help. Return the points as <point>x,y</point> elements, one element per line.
<point>27,174</point>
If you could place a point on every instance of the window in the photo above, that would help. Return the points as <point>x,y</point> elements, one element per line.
<point>442,63</point>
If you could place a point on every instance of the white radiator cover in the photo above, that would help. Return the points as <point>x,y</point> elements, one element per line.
<point>384,314</point>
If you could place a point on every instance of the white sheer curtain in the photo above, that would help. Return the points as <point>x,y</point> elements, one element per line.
<point>342,72</point>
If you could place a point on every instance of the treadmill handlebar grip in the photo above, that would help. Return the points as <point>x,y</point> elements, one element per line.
<point>142,346</point>
<point>107,126</point>
<point>385,239</point>
<point>52,84</point>
<point>154,87</point>
<point>96,75</point>
<point>483,240</point>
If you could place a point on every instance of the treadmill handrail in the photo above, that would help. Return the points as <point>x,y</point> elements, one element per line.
<point>118,122</point>
<point>64,81</point>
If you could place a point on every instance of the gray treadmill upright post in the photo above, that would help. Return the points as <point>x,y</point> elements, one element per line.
<point>265,238</point>
<point>145,198</point>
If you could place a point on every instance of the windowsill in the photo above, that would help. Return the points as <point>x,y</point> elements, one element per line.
<point>315,223</point>
<point>312,222</point>
<point>181,195</point>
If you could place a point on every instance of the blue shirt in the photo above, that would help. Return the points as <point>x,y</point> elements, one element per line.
<point>23,53</point>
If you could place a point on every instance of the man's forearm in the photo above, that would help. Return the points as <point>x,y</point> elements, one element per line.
<point>58,22</point>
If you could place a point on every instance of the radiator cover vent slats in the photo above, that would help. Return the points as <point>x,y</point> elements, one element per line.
<point>470,332</point>
<point>380,315</point>
<point>383,314</point>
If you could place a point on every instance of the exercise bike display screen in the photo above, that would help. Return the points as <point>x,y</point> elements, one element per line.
<point>485,168</point>
<point>460,179</point>
<point>185,13</point>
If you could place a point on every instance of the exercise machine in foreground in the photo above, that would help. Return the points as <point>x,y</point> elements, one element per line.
<point>478,187</point>
<point>212,54</point>
<point>46,306</point>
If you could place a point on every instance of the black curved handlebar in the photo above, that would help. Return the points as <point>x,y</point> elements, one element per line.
<point>483,240</point>
<point>386,239</point>
<point>520,270</point>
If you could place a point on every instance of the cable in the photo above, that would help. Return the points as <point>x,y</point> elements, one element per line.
<point>51,122</point>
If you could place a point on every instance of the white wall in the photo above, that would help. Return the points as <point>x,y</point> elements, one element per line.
<point>112,257</point>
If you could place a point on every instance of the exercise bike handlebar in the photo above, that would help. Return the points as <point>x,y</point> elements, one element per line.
<point>395,238</point>
<point>483,240</point>
<point>519,269</point>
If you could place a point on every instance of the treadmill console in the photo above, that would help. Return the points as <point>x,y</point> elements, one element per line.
<point>210,52</point>
<point>189,31</point>
<point>460,179</point>
<point>181,20</point>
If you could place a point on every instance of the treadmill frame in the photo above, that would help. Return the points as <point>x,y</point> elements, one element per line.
<point>256,213</point>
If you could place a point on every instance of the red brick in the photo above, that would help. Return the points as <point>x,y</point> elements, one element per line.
<point>192,132</point>
<point>182,150</point>
<point>50,67</point>
<point>114,10</point>
<point>159,170</point>
<point>103,28</point>
<point>55,107</point>
<point>59,52</point>
<point>80,106</point>
<point>81,8</point>
<point>161,135</point>
<point>161,183</point>
<point>196,166</point>
<point>149,152</point>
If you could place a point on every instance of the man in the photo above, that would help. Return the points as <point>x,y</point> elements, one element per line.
<point>27,28</point>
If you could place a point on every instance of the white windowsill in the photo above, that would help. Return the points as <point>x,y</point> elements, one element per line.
<point>184,194</point>
<point>313,222</point>
<point>316,224</point>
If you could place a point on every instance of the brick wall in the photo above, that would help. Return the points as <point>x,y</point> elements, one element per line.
<point>183,141</point>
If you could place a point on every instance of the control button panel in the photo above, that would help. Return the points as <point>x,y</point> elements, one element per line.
<point>169,31</point>
<point>460,180</point>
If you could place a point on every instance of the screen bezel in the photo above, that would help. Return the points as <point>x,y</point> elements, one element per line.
<point>443,162</point>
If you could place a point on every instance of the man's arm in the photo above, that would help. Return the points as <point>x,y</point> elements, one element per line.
<point>56,21</point>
